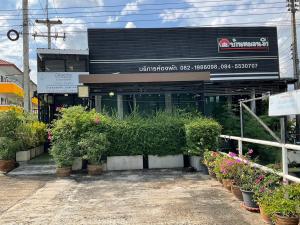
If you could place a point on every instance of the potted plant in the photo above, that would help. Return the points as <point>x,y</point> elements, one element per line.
<point>217,167</point>
<point>236,177</point>
<point>63,155</point>
<point>8,149</point>
<point>209,158</point>
<point>264,188</point>
<point>228,169</point>
<point>284,205</point>
<point>249,176</point>
<point>92,146</point>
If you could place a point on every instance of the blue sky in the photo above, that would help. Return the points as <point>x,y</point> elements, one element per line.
<point>78,15</point>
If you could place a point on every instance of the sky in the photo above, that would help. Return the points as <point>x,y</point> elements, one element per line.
<point>78,15</point>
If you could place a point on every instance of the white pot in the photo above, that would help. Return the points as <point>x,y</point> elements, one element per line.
<point>196,163</point>
<point>164,162</point>
<point>77,164</point>
<point>125,162</point>
<point>23,156</point>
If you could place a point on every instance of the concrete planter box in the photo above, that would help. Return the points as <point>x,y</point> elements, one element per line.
<point>32,153</point>
<point>39,150</point>
<point>77,164</point>
<point>23,156</point>
<point>125,162</point>
<point>196,163</point>
<point>164,162</point>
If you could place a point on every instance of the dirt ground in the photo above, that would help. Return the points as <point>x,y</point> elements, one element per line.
<point>162,197</point>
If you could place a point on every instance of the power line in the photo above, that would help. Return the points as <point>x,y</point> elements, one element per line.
<point>202,17</point>
<point>142,4</point>
<point>160,9</point>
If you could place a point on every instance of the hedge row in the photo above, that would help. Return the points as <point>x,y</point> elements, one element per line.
<point>163,134</point>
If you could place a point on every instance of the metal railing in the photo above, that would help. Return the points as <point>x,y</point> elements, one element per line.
<point>284,149</point>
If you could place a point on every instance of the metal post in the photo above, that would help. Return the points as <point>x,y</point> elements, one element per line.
<point>253,103</point>
<point>26,78</point>
<point>293,7</point>
<point>120,106</point>
<point>242,129</point>
<point>285,162</point>
<point>168,102</point>
<point>240,147</point>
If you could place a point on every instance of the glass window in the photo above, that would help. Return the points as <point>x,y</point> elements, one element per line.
<point>76,65</point>
<point>54,65</point>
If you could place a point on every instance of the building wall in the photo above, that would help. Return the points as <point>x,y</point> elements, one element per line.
<point>161,50</point>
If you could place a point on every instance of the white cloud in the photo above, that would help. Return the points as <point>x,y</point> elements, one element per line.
<point>76,35</point>
<point>130,25</point>
<point>214,14</point>
<point>77,3</point>
<point>128,9</point>
<point>131,7</point>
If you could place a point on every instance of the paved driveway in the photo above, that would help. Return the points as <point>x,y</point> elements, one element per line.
<point>148,197</point>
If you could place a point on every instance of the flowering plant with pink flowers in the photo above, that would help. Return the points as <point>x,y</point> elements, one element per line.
<point>229,167</point>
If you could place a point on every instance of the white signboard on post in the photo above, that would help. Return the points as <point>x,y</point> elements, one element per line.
<point>58,82</point>
<point>285,104</point>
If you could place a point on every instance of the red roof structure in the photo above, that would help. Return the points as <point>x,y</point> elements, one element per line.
<point>8,68</point>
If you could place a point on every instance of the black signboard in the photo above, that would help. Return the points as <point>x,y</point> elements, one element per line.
<point>252,55</point>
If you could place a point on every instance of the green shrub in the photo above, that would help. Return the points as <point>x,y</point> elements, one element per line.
<point>93,146</point>
<point>158,135</point>
<point>63,153</point>
<point>9,122</point>
<point>284,201</point>
<point>202,134</point>
<point>69,129</point>
<point>22,127</point>
<point>8,148</point>
<point>162,134</point>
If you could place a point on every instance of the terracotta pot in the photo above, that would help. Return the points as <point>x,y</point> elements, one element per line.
<point>283,220</point>
<point>7,165</point>
<point>236,191</point>
<point>94,169</point>
<point>63,172</point>
<point>227,184</point>
<point>267,219</point>
<point>248,199</point>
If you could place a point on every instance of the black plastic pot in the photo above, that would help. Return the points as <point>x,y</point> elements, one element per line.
<point>248,199</point>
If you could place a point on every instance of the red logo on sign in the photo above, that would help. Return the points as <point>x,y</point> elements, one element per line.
<point>224,43</point>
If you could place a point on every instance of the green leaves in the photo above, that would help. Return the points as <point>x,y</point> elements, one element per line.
<point>201,134</point>
<point>284,201</point>
<point>8,148</point>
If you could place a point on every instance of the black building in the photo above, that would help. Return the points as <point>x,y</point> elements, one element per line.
<point>191,68</point>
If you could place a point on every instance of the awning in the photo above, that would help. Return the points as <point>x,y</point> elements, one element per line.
<point>143,78</point>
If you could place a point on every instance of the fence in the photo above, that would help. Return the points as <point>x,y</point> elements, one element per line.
<point>284,149</point>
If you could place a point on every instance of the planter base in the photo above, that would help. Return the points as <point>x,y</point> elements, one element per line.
<point>250,209</point>
<point>7,165</point>
<point>227,184</point>
<point>94,170</point>
<point>236,191</point>
<point>282,220</point>
<point>249,200</point>
<point>63,172</point>
<point>267,219</point>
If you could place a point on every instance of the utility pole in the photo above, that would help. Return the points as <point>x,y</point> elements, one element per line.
<point>293,7</point>
<point>49,23</point>
<point>26,79</point>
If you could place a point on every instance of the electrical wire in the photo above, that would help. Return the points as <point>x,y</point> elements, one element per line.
<point>141,4</point>
<point>168,9</point>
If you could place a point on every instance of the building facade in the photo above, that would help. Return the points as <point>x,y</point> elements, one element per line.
<point>188,68</point>
<point>58,78</point>
<point>11,88</point>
